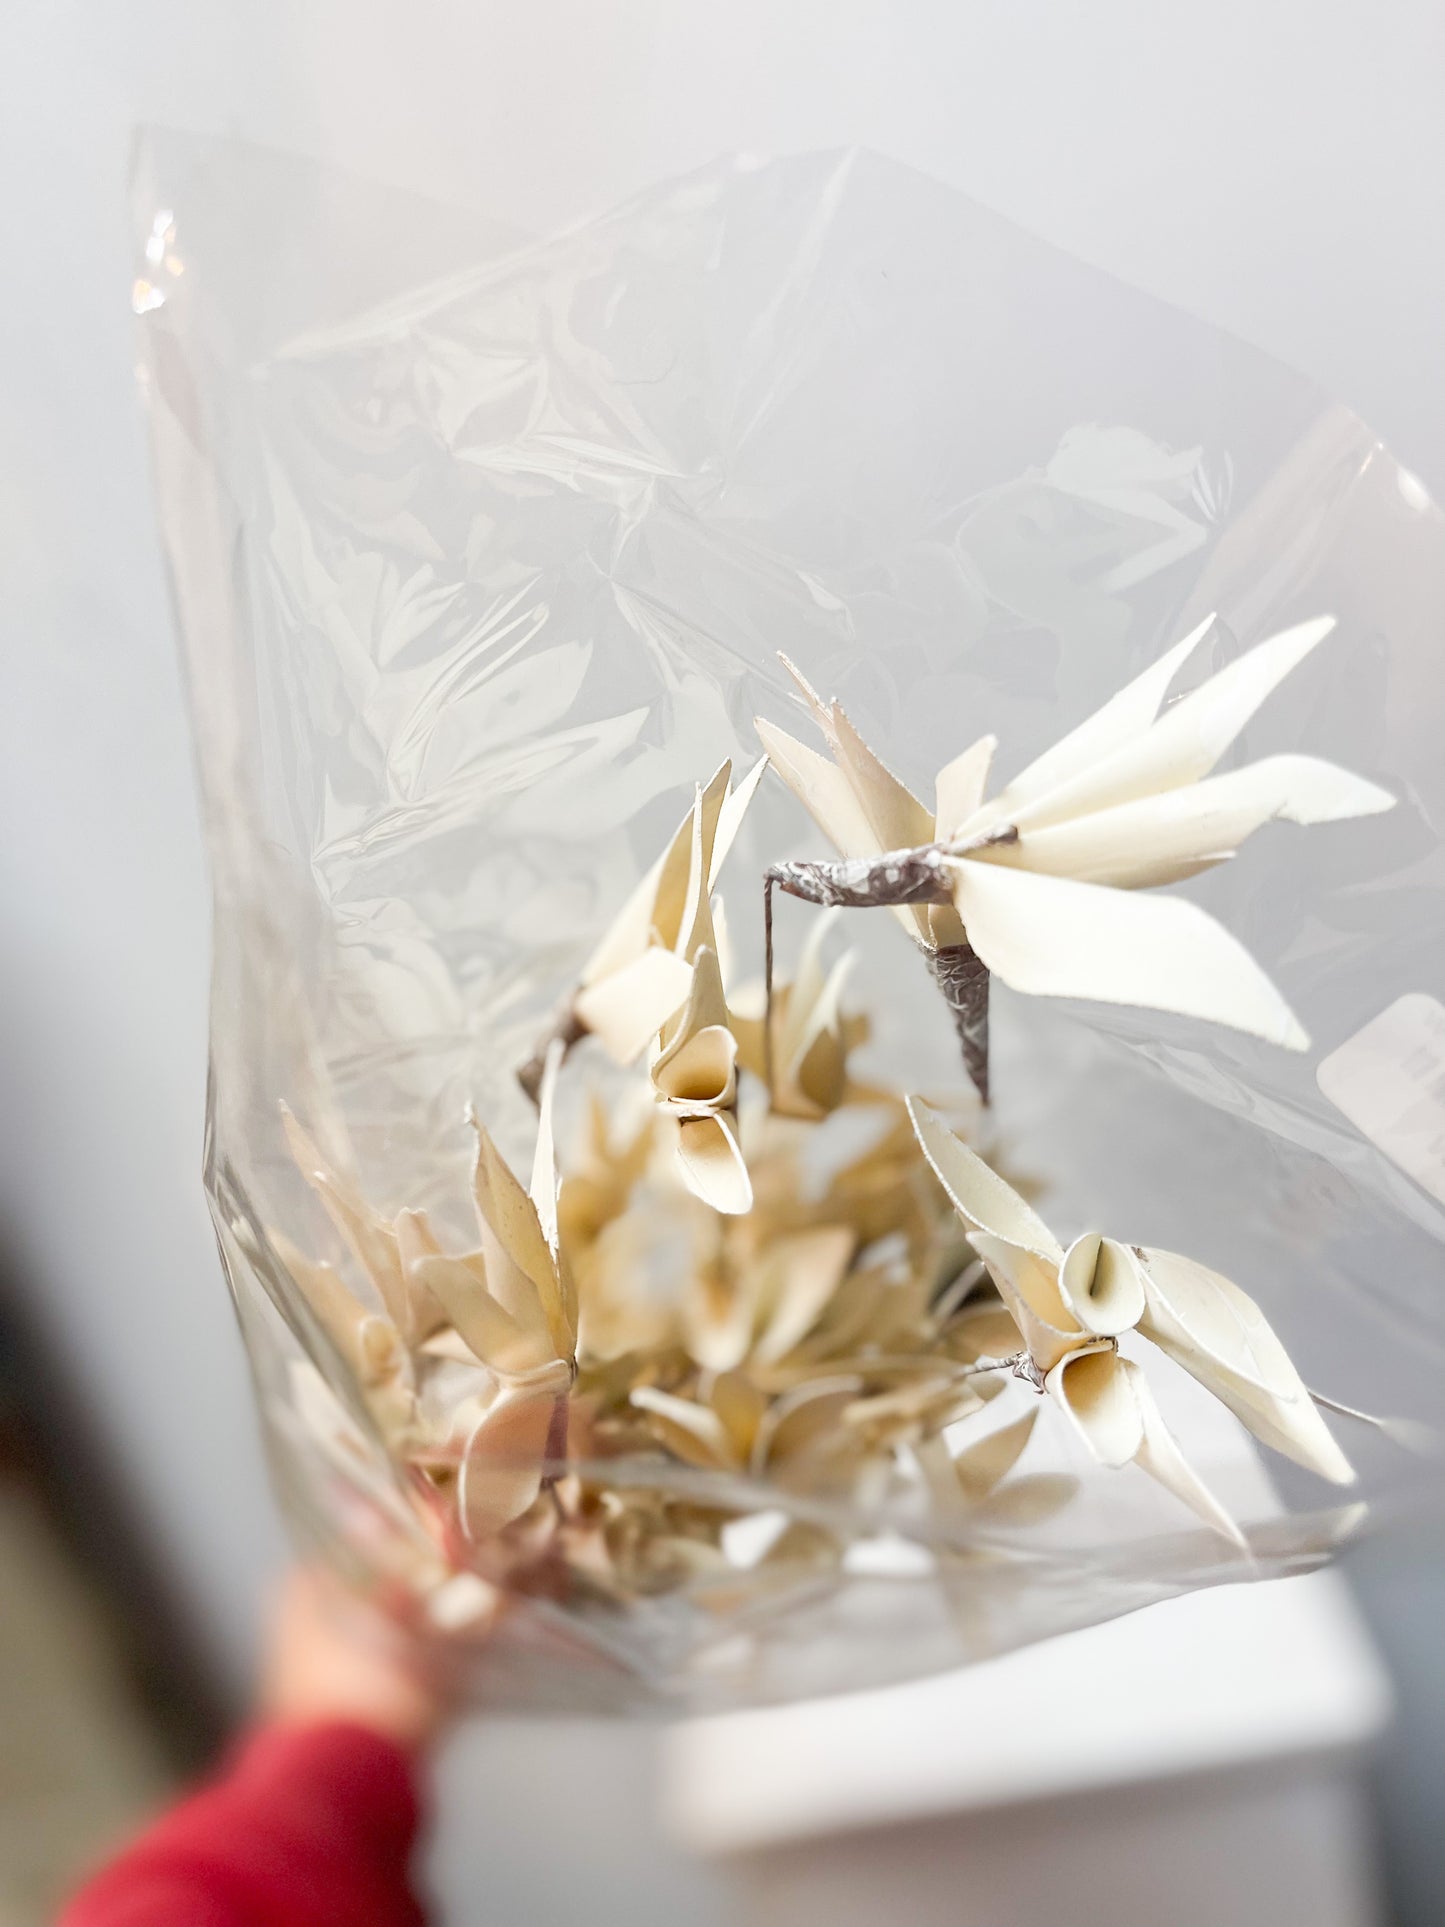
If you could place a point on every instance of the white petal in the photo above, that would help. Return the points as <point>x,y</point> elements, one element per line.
<point>987,1462</point>
<point>712,1165</point>
<point>501,1470</point>
<point>822,789</point>
<point>980,1196</point>
<point>799,1277</point>
<point>1160,838</point>
<point>899,820</point>
<point>1094,1389</point>
<point>960,786</point>
<point>1221,1337</point>
<point>691,1432</point>
<point>1186,741</point>
<point>627,1009</point>
<point>1052,937</point>
<point>1126,716</point>
<point>1102,1284</point>
<point>1159,1455</point>
<point>730,818</point>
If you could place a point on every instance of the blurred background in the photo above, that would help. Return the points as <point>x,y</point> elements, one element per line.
<point>1274,166</point>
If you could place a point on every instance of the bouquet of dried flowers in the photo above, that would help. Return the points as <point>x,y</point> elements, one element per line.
<point>695,1293</point>
<point>642,1254</point>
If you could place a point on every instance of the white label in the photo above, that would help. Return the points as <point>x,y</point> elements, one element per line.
<point>1389,1080</point>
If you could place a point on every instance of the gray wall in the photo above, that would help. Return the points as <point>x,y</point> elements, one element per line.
<point>1275,165</point>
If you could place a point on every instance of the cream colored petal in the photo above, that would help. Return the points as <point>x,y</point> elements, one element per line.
<point>1052,937</point>
<point>1102,1284</point>
<point>1097,1395</point>
<point>501,1469</point>
<point>1029,1286</point>
<point>1187,740</point>
<point>987,1462</point>
<point>543,1187</point>
<point>816,1082</point>
<point>653,912</point>
<point>1124,718</point>
<point>627,1009</point>
<point>822,789</point>
<point>984,1331</point>
<point>1159,1455</point>
<point>730,818</point>
<point>1160,838</point>
<point>899,821</point>
<point>712,1163</point>
<point>799,1277</point>
<point>980,1196</point>
<point>370,1238</point>
<point>698,1071</point>
<point>416,1239</point>
<point>801,1423</point>
<point>740,1405</point>
<point>370,1345</point>
<point>1221,1337</point>
<point>492,1334</point>
<point>1030,1501</point>
<point>691,1432</point>
<point>706,1006</point>
<point>508,1212</point>
<point>960,787</point>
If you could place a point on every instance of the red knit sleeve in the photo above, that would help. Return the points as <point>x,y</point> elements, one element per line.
<point>309,1826</point>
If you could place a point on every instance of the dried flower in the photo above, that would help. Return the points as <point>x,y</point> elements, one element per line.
<point>1071,1307</point>
<point>1037,884</point>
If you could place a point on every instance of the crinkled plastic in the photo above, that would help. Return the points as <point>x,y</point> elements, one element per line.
<point>483,549</point>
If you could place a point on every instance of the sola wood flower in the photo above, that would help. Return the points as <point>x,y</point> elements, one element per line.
<point>695,1078</point>
<point>804,1059</point>
<point>1071,1307</point>
<point>639,974</point>
<point>1035,885</point>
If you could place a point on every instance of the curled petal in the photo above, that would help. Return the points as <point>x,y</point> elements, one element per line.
<point>1097,1395</point>
<point>502,1465</point>
<point>1102,1284</point>
<point>712,1163</point>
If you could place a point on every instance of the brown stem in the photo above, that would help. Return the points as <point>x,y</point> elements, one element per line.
<point>568,1030</point>
<point>962,976</point>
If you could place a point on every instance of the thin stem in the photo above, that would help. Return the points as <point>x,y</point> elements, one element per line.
<point>769,879</point>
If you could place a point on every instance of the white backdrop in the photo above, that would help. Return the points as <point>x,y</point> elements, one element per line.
<point>1275,165</point>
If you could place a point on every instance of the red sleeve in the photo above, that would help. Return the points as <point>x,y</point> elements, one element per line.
<point>309,1826</point>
